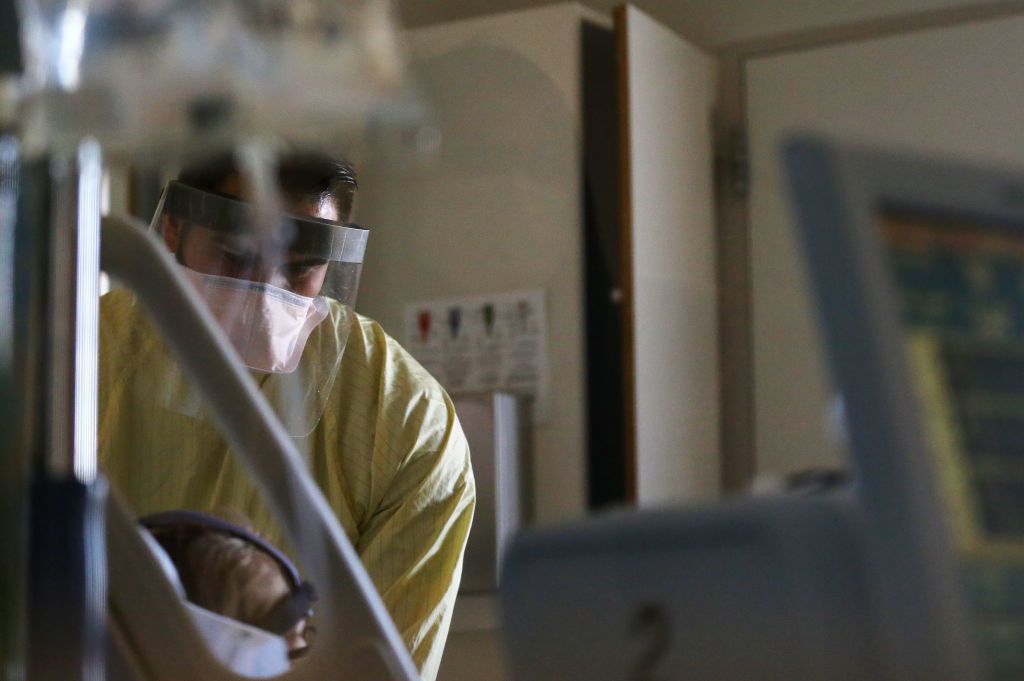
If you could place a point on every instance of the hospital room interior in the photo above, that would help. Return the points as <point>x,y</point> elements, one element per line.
<point>512,340</point>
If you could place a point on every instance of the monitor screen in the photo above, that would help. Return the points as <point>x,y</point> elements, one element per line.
<point>960,283</point>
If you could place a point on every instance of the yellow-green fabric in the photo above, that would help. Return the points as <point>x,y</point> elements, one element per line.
<point>388,453</point>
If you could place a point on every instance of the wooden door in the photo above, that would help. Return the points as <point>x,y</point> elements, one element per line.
<point>669,279</point>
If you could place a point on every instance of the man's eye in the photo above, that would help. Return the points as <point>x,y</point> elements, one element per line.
<point>303,269</point>
<point>301,272</point>
<point>240,259</point>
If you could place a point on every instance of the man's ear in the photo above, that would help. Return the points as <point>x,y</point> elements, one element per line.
<point>171,229</point>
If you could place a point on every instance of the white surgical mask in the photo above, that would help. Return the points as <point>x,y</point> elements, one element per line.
<point>267,325</point>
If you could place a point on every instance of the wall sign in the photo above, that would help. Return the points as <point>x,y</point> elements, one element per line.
<point>482,343</point>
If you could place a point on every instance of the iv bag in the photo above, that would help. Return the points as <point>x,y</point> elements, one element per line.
<point>170,76</point>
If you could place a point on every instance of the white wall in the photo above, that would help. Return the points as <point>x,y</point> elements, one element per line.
<point>956,91</point>
<point>498,209</point>
<point>709,24</point>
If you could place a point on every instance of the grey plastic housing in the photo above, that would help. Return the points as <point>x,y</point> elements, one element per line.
<point>773,589</point>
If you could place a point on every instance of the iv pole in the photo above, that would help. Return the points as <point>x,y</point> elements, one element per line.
<point>54,501</point>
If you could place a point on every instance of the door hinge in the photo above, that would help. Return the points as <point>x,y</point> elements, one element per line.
<point>732,159</point>
<point>738,173</point>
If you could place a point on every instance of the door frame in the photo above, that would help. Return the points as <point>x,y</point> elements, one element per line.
<point>735,294</point>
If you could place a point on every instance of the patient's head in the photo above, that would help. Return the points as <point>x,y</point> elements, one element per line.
<point>232,575</point>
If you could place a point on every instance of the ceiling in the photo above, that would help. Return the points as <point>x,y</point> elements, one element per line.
<point>710,23</point>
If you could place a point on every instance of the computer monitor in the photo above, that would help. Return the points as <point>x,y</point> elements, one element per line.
<point>960,283</point>
<point>918,269</point>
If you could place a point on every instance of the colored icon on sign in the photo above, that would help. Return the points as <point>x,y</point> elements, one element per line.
<point>424,319</point>
<point>454,321</point>
<point>488,312</point>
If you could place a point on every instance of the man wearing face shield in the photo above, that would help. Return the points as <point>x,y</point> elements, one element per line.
<point>379,434</point>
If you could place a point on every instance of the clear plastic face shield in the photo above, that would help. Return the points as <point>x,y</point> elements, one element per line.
<point>281,285</point>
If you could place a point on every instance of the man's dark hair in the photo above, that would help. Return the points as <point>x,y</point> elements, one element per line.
<point>301,175</point>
